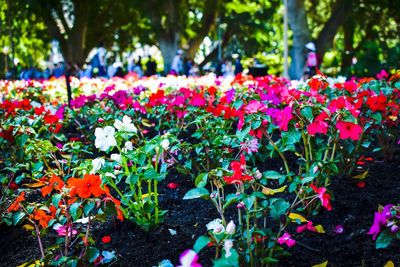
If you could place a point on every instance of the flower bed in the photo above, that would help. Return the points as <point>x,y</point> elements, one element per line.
<point>263,152</point>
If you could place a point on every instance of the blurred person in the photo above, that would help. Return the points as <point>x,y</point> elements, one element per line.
<point>238,66</point>
<point>151,67</point>
<point>177,63</point>
<point>311,60</point>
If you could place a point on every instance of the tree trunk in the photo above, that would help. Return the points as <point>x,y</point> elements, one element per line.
<point>328,33</point>
<point>169,44</point>
<point>301,35</point>
<point>207,24</point>
<point>348,29</point>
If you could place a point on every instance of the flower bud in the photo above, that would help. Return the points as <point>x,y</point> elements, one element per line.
<point>395,228</point>
<point>230,228</point>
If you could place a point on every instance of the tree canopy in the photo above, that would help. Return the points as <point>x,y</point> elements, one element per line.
<point>355,37</point>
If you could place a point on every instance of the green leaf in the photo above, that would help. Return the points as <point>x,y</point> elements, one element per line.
<point>307,179</point>
<point>92,253</point>
<point>197,193</point>
<point>383,239</point>
<point>150,174</point>
<point>273,175</point>
<point>200,243</point>
<point>74,210</point>
<point>55,199</point>
<point>256,124</point>
<point>269,260</point>
<point>201,180</point>
<point>242,134</point>
<point>307,113</point>
<point>291,137</point>
<point>88,208</point>
<point>377,116</point>
<point>18,216</point>
<point>21,139</point>
<point>278,208</point>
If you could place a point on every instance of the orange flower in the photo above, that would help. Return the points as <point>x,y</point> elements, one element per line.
<point>86,187</point>
<point>15,205</point>
<point>42,217</point>
<point>55,183</point>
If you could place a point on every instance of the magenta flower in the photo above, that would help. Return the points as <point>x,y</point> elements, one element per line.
<point>324,197</point>
<point>254,106</point>
<point>380,219</point>
<point>62,230</point>
<point>281,117</point>
<point>308,226</point>
<point>286,239</point>
<point>349,130</point>
<point>189,258</point>
<point>382,75</point>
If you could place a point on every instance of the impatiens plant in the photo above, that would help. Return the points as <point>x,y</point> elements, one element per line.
<point>71,210</point>
<point>386,226</point>
<point>135,171</point>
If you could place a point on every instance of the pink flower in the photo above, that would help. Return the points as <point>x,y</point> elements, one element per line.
<point>382,75</point>
<point>189,258</point>
<point>324,197</point>
<point>281,117</point>
<point>308,226</point>
<point>349,130</point>
<point>62,230</point>
<point>317,127</point>
<point>286,239</point>
<point>254,106</point>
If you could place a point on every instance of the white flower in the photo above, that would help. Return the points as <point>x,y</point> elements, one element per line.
<point>97,163</point>
<point>105,138</point>
<point>230,228</point>
<point>216,226</point>
<point>228,244</point>
<point>109,174</point>
<point>165,144</point>
<point>125,125</point>
<point>128,146</point>
<point>116,157</point>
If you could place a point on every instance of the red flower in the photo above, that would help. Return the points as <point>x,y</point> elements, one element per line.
<point>106,239</point>
<point>350,86</point>
<point>40,111</point>
<point>324,197</point>
<point>238,167</point>
<point>13,186</point>
<point>315,84</point>
<point>349,130</point>
<point>42,217</point>
<point>360,184</point>
<point>24,104</point>
<point>15,205</point>
<point>86,187</point>
<point>55,183</point>
<point>376,103</point>
<point>173,185</point>
<point>50,119</point>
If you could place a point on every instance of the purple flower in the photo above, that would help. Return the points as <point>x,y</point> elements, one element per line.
<point>338,229</point>
<point>379,221</point>
<point>230,95</point>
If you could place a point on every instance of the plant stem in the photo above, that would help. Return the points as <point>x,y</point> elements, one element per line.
<point>39,240</point>
<point>282,157</point>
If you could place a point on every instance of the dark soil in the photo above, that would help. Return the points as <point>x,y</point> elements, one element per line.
<point>353,208</point>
